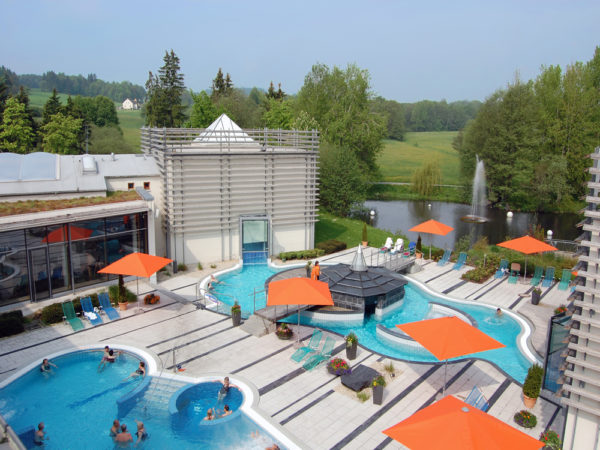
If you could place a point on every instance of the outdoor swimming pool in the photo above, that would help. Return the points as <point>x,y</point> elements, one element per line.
<point>242,282</point>
<point>78,405</point>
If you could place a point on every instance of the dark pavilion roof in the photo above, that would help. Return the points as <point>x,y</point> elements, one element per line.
<point>363,283</point>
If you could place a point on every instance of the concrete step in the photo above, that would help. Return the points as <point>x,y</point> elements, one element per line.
<point>257,326</point>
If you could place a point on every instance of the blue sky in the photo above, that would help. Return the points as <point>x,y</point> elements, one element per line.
<point>414,50</point>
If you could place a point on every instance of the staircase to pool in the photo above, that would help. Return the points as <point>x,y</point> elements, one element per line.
<point>154,401</point>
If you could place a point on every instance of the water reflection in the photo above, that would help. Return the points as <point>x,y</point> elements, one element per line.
<point>401,215</point>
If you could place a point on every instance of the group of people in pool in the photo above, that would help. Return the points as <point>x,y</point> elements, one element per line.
<point>118,432</point>
<point>217,414</point>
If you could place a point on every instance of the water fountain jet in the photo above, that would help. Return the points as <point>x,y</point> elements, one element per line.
<point>478,198</point>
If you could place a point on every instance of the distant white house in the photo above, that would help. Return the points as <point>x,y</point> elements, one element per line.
<point>128,104</point>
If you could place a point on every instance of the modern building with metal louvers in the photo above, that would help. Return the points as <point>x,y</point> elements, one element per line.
<point>582,375</point>
<point>230,193</point>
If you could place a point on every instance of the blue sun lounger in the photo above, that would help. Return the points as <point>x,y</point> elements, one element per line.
<point>502,269</point>
<point>549,277</point>
<point>444,259</point>
<point>462,258</point>
<point>537,276</point>
<point>318,358</point>
<point>312,346</point>
<point>477,399</point>
<point>86,305</point>
<point>71,316</point>
<point>565,280</point>
<point>111,312</point>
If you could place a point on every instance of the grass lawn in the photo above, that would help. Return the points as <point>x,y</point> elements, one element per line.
<point>399,160</point>
<point>349,231</point>
<point>38,98</point>
<point>131,122</point>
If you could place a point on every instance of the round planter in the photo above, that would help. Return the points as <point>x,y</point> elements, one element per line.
<point>236,318</point>
<point>285,336</point>
<point>377,395</point>
<point>351,351</point>
<point>529,402</point>
<point>123,306</point>
<point>365,243</point>
<point>419,255</point>
<point>535,297</point>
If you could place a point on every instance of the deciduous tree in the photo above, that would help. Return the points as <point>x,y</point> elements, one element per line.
<point>16,132</point>
<point>204,112</point>
<point>61,134</point>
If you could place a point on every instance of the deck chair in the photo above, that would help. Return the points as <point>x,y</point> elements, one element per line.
<point>71,316</point>
<point>515,269</point>
<point>111,312</point>
<point>502,268</point>
<point>477,399</point>
<point>389,243</point>
<point>462,258</point>
<point>399,247</point>
<point>318,358</point>
<point>88,311</point>
<point>537,276</point>
<point>313,346</point>
<point>565,280</point>
<point>547,281</point>
<point>444,259</point>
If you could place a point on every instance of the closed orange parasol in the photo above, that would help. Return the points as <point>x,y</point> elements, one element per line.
<point>452,424</point>
<point>449,337</point>
<point>528,246</point>
<point>138,265</point>
<point>432,227</point>
<point>61,234</point>
<point>299,291</point>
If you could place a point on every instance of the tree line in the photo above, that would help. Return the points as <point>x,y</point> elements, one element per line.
<point>60,128</point>
<point>535,137</point>
<point>89,86</point>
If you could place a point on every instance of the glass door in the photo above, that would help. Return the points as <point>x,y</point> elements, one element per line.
<point>255,241</point>
<point>38,258</point>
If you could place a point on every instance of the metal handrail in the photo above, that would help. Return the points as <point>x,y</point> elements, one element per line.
<point>202,294</point>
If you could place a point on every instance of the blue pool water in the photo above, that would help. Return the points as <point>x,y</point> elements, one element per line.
<point>78,405</point>
<point>505,329</point>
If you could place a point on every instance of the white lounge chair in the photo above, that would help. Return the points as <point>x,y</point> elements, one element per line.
<point>389,243</point>
<point>399,247</point>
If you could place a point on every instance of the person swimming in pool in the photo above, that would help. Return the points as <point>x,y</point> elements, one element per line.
<point>110,356</point>
<point>114,430</point>
<point>141,433</point>
<point>46,367</point>
<point>499,312</point>
<point>226,411</point>
<point>139,372</point>
<point>40,435</point>
<point>209,415</point>
<point>224,389</point>
<point>124,437</point>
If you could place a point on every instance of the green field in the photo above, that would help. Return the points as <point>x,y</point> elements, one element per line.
<point>399,160</point>
<point>131,122</point>
<point>37,98</point>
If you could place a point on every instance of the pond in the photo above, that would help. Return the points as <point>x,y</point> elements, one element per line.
<point>401,215</point>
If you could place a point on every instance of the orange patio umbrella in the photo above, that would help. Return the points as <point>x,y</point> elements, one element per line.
<point>432,227</point>
<point>528,246</point>
<point>138,265</point>
<point>452,424</point>
<point>299,291</point>
<point>61,234</point>
<point>449,337</point>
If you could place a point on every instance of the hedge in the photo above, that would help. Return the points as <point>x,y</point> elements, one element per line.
<point>113,294</point>
<point>11,323</point>
<point>54,314</point>
<point>302,254</point>
<point>331,246</point>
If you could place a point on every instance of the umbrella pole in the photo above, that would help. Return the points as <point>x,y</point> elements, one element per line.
<point>430,239</point>
<point>445,378</point>
<point>298,329</point>
<point>137,290</point>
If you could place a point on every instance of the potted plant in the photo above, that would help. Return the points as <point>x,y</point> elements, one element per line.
<point>236,314</point>
<point>536,294</point>
<point>122,294</point>
<point>365,242</point>
<point>419,248</point>
<point>337,366</point>
<point>532,385</point>
<point>308,267</point>
<point>551,439</point>
<point>525,419</point>
<point>351,345</point>
<point>284,331</point>
<point>378,384</point>
<point>560,311</point>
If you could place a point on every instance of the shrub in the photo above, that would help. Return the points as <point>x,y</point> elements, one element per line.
<point>284,331</point>
<point>561,309</point>
<point>389,368</point>
<point>533,382</point>
<point>10,324</point>
<point>525,419</point>
<point>182,267</point>
<point>213,266</point>
<point>52,314</point>
<point>303,254</point>
<point>551,439</point>
<point>479,274</point>
<point>379,381</point>
<point>363,395</point>
<point>364,232</point>
<point>16,314</point>
<point>199,266</point>
<point>331,246</point>
<point>338,366</point>
<point>351,339</point>
<point>236,308</point>
<point>113,293</point>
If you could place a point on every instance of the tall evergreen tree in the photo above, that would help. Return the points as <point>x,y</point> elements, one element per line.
<point>16,132</point>
<point>23,98</point>
<point>163,107</point>
<point>218,85</point>
<point>51,107</point>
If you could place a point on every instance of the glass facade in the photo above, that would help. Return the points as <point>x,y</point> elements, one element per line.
<point>36,263</point>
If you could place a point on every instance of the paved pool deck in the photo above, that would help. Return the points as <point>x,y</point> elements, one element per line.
<point>313,407</point>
